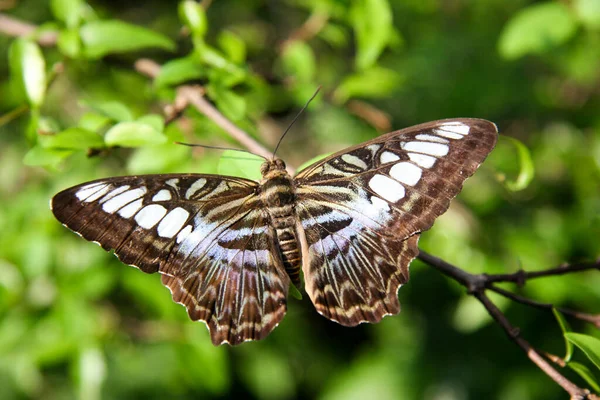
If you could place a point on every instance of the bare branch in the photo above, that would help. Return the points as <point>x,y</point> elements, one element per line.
<point>13,27</point>
<point>521,276</point>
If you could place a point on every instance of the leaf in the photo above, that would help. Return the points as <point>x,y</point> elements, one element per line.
<point>586,374</point>
<point>526,167</point>
<point>69,42</point>
<point>72,138</point>
<point>228,102</point>
<point>588,12</point>
<point>28,67</point>
<point>112,36</point>
<point>133,134</point>
<point>588,344</point>
<point>41,157</point>
<point>372,22</point>
<point>298,60</point>
<point>374,82</point>
<point>239,163</point>
<point>233,46</point>
<point>67,11</point>
<point>565,328</point>
<point>178,71</point>
<point>536,29</point>
<point>114,110</point>
<point>93,122</point>
<point>155,121</point>
<point>193,16</point>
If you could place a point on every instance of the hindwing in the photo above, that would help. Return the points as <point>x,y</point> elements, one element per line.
<point>209,237</point>
<point>363,208</point>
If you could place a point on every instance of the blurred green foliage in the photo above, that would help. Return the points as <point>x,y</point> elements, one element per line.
<point>74,323</point>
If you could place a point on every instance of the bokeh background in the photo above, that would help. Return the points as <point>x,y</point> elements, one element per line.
<point>76,323</point>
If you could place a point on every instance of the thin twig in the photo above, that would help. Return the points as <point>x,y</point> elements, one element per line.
<point>14,27</point>
<point>476,285</point>
<point>521,276</point>
<point>594,319</point>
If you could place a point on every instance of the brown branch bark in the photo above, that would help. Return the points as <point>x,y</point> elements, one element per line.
<point>476,286</point>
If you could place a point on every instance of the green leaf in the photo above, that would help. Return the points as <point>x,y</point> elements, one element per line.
<point>536,29</point>
<point>565,328</point>
<point>298,60</point>
<point>211,57</point>
<point>155,121</point>
<point>526,168</point>
<point>67,11</point>
<point>193,16</point>
<point>588,12</point>
<point>92,121</point>
<point>41,157</point>
<point>373,26</point>
<point>111,36</point>
<point>294,292</point>
<point>233,46</point>
<point>72,138</point>
<point>28,67</point>
<point>588,344</point>
<point>239,163</point>
<point>586,374</point>
<point>178,71</point>
<point>228,102</point>
<point>69,42</point>
<point>133,134</point>
<point>114,110</point>
<point>374,82</point>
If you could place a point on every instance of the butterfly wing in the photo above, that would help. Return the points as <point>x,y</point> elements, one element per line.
<point>362,210</point>
<point>207,235</point>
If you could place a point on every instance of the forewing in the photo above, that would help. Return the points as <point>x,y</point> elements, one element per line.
<point>207,235</point>
<point>363,208</point>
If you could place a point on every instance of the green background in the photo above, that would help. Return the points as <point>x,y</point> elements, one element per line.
<point>75,323</point>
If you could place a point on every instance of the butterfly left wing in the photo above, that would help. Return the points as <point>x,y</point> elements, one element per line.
<point>362,211</point>
<point>207,235</point>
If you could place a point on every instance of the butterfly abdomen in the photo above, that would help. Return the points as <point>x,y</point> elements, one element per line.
<point>279,196</point>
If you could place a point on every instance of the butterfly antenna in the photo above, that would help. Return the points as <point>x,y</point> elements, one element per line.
<point>294,120</point>
<point>218,148</point>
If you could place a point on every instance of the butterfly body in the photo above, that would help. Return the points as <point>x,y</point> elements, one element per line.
<point>228,248</point>
<point>279,196</point>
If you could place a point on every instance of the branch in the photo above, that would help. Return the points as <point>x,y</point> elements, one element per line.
<point>476,286</point>
<point>521,276</point>
<point>13,27</point>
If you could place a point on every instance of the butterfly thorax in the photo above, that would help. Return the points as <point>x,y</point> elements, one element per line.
<point>278,194</point>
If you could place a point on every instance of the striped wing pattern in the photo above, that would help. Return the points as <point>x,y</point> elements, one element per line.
<point>222,244</point>
<point>362,210</point>
<point>207,235</point>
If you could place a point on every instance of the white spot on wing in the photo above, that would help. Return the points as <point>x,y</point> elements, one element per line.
<point>406,172</point>
<point>114,192</point>
<point>422,160</point>
<point>173,183</point>
<point>380,203</point>
<point>199,184</point>
<point>388,156</point>
<point>387,188</point>
<point>434,149</point>
<point>172,223</point>
<point>150,215</point>
<point>353,160</point>
<point>123,199</point>
<point>448,134</point>
<point>184,233</point>
<point>456,127</point>
<point>91,193</point>
<point>130,209</point>
<point>431,138</point>
<point>162,195</point>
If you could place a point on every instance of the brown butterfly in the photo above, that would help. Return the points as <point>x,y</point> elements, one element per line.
<point>228,248</point>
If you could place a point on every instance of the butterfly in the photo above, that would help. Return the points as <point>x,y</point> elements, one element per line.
<point>228,248</point>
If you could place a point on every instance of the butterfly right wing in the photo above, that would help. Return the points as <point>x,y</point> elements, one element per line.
<point>207,235</point>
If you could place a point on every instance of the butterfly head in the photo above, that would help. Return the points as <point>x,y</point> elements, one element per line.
<point>272,167</point>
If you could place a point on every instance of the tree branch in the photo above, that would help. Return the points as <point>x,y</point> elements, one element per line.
<point>476,285</point>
